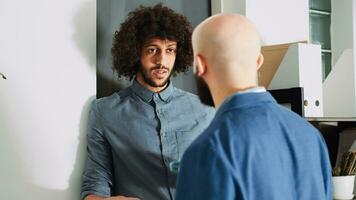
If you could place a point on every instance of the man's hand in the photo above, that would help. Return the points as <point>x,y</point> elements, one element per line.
<point>94,197</point>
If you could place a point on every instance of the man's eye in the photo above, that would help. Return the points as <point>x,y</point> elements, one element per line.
<point>152,51</point>
<point>170,51</point>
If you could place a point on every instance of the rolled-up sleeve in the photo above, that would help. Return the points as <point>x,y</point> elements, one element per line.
<point>97,175</point>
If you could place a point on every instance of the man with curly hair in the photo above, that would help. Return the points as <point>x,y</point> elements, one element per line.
<point>136,134</point>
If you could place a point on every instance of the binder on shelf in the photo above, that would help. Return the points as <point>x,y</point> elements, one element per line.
<point>295,65</point>
<point>340,87</point>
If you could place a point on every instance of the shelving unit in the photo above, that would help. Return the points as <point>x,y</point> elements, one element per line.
<point>319,26</point>
<point>344,120</point>
<point>331,128</point>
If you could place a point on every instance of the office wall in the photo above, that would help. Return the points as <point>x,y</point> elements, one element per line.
<point>48,55</point>
<point>279,21</point>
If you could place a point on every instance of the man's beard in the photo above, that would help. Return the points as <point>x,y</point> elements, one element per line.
<point>149,80</point>
<point>204,92</point>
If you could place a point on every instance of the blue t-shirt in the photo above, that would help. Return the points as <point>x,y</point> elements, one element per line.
<point>255,149</point>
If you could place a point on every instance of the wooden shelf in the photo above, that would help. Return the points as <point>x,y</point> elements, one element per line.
<point>331,119</point>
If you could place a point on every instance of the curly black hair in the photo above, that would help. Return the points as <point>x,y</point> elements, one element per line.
<point>144,23</point>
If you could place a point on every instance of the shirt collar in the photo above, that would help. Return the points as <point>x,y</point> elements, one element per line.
<point>147,94</point>
<point>251,90</point>
<point>245,98</point>
<point>167,92</point>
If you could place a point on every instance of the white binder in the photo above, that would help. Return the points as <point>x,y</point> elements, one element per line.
<point>301,67</point>
<point>340,87</point>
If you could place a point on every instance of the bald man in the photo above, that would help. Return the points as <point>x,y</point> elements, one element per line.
<point>254,149</point>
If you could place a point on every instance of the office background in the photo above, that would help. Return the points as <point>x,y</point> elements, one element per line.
<point>49,56</point>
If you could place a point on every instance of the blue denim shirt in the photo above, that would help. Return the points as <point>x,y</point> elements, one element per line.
<point>132,137</point>
<point>255,149</point>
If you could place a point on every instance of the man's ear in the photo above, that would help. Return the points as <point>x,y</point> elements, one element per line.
<point>200,65</point>
<point>260,61</point>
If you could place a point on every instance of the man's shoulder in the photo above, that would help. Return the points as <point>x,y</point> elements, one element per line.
<point>189,99</point>
<point>189,104</point>
<point>252,120</point>
<point>108,103</point>
<point>179,93</point>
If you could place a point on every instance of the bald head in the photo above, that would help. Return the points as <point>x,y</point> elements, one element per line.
<point>230,44</point>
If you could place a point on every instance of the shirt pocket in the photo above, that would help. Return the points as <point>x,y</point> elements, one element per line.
<point>184,138</point>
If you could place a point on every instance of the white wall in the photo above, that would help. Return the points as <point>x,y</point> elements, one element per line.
<point>48,55</point>
<point>279,21</point>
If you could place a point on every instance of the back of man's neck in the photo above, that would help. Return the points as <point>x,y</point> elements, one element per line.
<point>222,95</point>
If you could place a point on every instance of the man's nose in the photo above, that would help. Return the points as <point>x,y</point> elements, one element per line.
<point>161,59</point>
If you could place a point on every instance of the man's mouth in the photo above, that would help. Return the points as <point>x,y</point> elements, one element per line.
<point>159,73</point>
